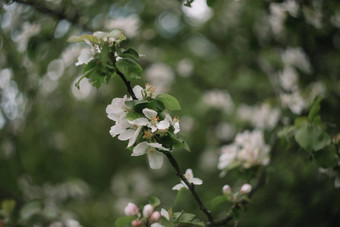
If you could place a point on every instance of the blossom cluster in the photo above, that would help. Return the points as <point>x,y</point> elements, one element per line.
<point>143,123</point>
<point>148,217</point>
<point>249,149</point>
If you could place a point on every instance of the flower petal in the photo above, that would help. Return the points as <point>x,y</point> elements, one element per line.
<point>126,134</point>
<point>178,187</point>
<point>165,214</point>
<point>140,149</point>
<point>196,181</point>
<point>158,146</point>
<point>155,159</point>
<point>163,125</point>
<point>149,113</point>
<point>142,121</point>
<point>137,90</point>
<point>133,139</point>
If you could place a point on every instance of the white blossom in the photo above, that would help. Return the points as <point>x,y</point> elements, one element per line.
<point>226,189</point>
<point>156,225</point>
<point>248,149</point>
<point>155,157</point>
<point>294,101</point>
<point>219,99</point>
<point>190,177</point>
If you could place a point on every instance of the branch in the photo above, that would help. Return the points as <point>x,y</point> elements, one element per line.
<point>60,14</point>
<point>172,160</point>
<point>190,186</point>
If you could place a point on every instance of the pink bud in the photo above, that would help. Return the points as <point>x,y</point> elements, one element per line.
<point>147,211</point>
<point>226,189</point>
<point>155,216</point>
<point>136,223</point>
<point>245,189</point>
<point>131,209</point>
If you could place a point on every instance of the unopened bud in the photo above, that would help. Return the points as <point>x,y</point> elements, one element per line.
<point>226,189</point>
<point>131,209</point>
<point>245,189</point>
<point>155,216</point>
<point>136,223</point>
<point>147,211</point>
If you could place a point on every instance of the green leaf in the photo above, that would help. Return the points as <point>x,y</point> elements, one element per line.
<point>315,108</point>
<point>133,103</point>
<point>30,209</point>
<point>285,131</point>
<point>179,143</point>
<point>180,194</point>
<point>133,116</point>
<point>186,217</point>
<point>312,137</point>
<point>8,206</point>
<point>154,201</point>
<point>91,38</point>
<point>130,69</point>
<point>124,221</point>
<point>170,102</point>
<point>218,200</point>
<point>104,54</point>
<point>327,157</point>
<point>130,53</point>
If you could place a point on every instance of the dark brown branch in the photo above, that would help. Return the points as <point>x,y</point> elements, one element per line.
<point>127,84</point>
<point>190,186</point>
<point>60,14</point>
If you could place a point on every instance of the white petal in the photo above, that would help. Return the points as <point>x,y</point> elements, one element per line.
<point>158,146</point>
<point>142,121</point>
<point>156,225</point>
<point>137,90</point>
<point>140,149</point>
<point>188,174</point>
<point>86,55</point>
<point>165,214</point>
<point>134,137</point>
<point>152,127</point>
<point>196,181</point>
<point>178,187</point>
<point>155,160</point>
<point>126,134</point>
<point>115,130</point>
<point>176,126</point>
<point>163,125</point>
<point>149,113</point>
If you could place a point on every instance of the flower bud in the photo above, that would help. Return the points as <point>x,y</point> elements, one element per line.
<point>131,210</point>
<point>147,211</point>
<point>155,216</point>
<point>245,189</point>
<point>226,189</point>
<point>136,223</point>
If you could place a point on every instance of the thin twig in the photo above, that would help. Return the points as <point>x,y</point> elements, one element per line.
<point>60,14</point>
<point>127,84</point>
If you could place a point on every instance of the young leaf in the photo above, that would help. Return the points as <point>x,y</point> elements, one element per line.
<point>124,221</point>
<point>133,116</point>
<point>170,102</point>
<point>327,157</point>
<point>179,143</point>
<point>186,217</point>
<point>315,108</point>
<point>104,54</point>
<point>180,194</point>
<point>130,53</point>
<point>218,200</point>
<point>91,38</point>
<point>130,69</point>
<point>8,206</point>
<point>312,137</point>
<point>154,201</point>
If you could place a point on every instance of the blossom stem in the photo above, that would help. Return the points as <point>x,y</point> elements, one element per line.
<point>127,84</point>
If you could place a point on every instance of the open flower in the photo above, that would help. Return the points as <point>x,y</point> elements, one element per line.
<point>153,120</point>
<point>128,130</point>
<point>155,157</point>
<point>174,122</point>
<point>86,55</point>
<point>190,177</point>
